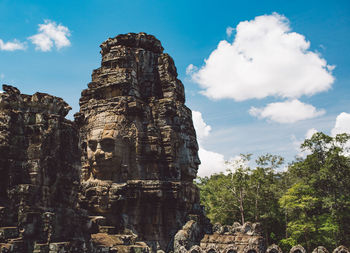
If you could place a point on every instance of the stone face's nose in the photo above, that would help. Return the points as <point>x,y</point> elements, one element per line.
<point>196,160</point>
<point>99,153</point>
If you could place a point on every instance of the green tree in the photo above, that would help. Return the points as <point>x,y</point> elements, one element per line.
<point>246,194</point>
<point>262,178</point>
<point>318,203</point>
<point>237,182</point>
<point>224,196</point>
<point>301,204</point>
<point>267,187</point>
<point>308,204</point>
<point>217,200</point>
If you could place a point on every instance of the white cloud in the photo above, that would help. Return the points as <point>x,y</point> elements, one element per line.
<point>289,111</point>
<point>342,124</point>
<point>297,143</point>
<point>237,162</point>
<point>191,69</point>
<point>229,31</point>
<point>265,59</point>
<point>211,162</point>
<point>202,129</point>
<point>51,34</point>
<point>12,46</point>
<point>310,133</point>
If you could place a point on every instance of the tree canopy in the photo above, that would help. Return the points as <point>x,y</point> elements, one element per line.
<point>306,203</point>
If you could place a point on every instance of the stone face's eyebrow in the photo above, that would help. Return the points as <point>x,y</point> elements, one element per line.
<point>108,134</point>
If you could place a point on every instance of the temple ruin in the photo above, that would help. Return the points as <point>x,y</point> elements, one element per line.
<point>119,178</point>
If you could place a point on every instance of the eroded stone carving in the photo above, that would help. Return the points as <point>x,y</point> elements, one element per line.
<point>320,249</point>
<point>39,166</point>
<point>341,249</point>
<point>136,95</point>
<point>236,238</point>
<point>274,249</point>
<point>138,141</point>
<point>297,249</point>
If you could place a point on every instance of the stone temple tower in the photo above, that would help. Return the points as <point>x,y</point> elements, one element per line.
<point>139,148</point>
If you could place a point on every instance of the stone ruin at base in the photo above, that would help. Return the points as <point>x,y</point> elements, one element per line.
<point>117,179</point>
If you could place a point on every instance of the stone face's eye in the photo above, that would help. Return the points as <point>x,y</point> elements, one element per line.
<point>107,145</point>
<point>83,146</point>
<point>92,144</point>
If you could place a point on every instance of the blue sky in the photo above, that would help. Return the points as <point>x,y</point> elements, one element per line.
<point>190,31</point>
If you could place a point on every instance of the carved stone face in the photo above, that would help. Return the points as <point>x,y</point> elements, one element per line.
<point>194,160</point>
<point>189,159</point>
<point>103,154</point>
<point>194,163</point>
<point>109,147</point>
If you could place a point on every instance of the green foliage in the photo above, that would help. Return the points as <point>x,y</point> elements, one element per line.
<point>318,203</point>
<point>300,203</point>
<point>217,200</point>
<point>309,204</point>
<point>244,194</point>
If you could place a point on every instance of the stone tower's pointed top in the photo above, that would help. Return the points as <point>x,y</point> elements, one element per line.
<point>133,65</point>
<point>134,40</point>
